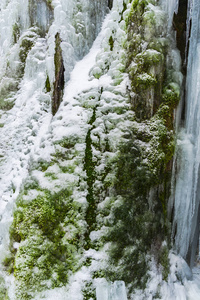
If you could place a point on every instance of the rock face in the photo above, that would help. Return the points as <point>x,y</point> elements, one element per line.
<point>59,76</point>
<point>88,145</point>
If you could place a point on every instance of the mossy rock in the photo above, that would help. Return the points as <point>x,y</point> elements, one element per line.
<point>46,252</point>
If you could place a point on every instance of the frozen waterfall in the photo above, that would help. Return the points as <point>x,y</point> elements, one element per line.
<point>58,171</point>
<point>187,193</point>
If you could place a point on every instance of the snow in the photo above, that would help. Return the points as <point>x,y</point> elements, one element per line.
<point>171,7</point>
<point>30,134</point>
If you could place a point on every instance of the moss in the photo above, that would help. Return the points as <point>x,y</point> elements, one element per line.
<point>3,290</point>
<point>48,85</point>
<point>43,165</point>
<point>134,218</point>
<point>145,66</point>
<point>51,175</point>
<point>46,253</point>
<point>171,95</point>
<point>31,183</point>
<point>164,261</point>
<point>89,167</point>
<point>6,104</point>
<point>89,292</point>
<point>134,222</point>
<point>7,92</point>
<point>68,169</point>
<point>49,3</point>
<point>67,143</point>
<point>16,33</point>
<point>26,43</point>
<point>111,43</point>
<point>144,81</point>
<point>8,263</point>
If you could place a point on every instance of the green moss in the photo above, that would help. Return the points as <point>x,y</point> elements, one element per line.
<point>31,183</point>
<point>144,81</point>
<point>7,92</point>
<point>164,261</point>
<point>43,165</point>
<point>145,66</point>
<point>49,3</point>
<point>68,169</point>
<point>16,33</point>
<point>51,175</point>
<point>171,95</point>
<point>6,104</point>
<point>67,143</point>
<point>134,222</point>
<point>8,262</point>
<point>3,290</point>
<point>111,43</point>
<point>134,218</point>
<point>46,253</point>
<point>89,167</point>
<point>89,292</point>
<point>48,85</point>
<point>26,43</point>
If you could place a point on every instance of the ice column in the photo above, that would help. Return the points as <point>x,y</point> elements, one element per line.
<point>170,7</point>
<point>187,193</point>
<point>110,291</point>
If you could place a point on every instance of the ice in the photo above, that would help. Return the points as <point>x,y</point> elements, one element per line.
<point>29,129</point>
<point>110,291</point>
<point>187,200</point>
<point>171,7</point>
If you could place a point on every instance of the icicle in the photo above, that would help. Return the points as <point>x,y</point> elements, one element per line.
<point>170,7</point>
<point>189,17</point>
<point>111,291</point>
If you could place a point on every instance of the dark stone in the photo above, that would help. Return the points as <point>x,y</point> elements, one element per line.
<point>59,76</point>
<point>110,4</point>
<point>179,23</point>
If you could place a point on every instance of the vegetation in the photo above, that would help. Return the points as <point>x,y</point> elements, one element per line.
<point>26,43</point>
<point>51,228</point>
<point>16,33</point>
<point>137,218</point>
<point>45,230</point>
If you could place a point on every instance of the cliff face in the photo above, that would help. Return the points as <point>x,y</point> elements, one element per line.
<point>88,142</point>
